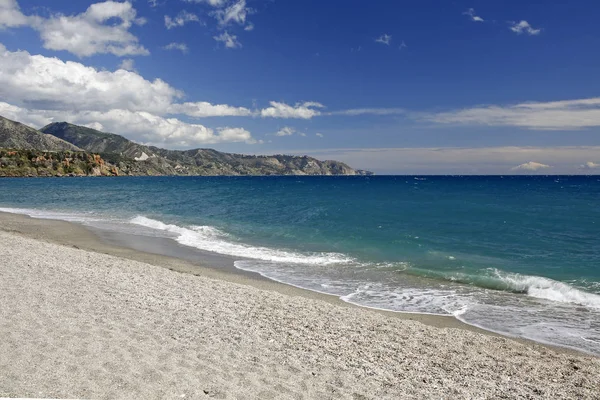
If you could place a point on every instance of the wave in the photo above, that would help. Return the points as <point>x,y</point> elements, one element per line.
<point>534,286</point>
<point>211,239</point>
<point>81,217</point>
<point>548,289</point>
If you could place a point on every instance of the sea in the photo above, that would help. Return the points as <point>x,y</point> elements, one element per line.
<point>516,255</point>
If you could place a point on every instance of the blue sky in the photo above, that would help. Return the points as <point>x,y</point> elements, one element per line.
<point>395,87</point>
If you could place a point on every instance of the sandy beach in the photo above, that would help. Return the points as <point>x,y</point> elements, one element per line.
<point>80,318</point>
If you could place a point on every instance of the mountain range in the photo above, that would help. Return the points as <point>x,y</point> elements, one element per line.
<point>25,151</point>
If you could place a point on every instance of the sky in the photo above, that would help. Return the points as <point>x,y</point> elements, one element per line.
<point>395,87</point>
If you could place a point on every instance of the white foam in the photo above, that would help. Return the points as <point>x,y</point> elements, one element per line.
<point>57,215</point>
<point>548,289</point>
<point>211,239</point>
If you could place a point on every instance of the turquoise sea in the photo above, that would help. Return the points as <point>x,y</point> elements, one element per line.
<point>515,255</point>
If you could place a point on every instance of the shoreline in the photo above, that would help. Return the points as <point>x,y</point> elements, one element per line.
<point>205,264</point>
<point>81,237</point>
<point>85,319</point>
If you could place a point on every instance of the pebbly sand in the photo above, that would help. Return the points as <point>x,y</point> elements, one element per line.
<point>89,320</point>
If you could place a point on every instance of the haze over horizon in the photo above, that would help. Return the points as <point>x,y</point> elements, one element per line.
<point>420,87</point>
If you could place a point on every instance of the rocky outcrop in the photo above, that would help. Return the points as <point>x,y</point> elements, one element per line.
<point>15,163</point>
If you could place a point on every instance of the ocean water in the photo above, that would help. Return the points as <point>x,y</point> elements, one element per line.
<point>515,255</point>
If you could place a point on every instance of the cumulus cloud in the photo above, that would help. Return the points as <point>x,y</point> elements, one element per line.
<point>471,13</point>
<point>42,82</point>
<point>530,166</point>
<point>523,27</point>
<point>305,110</point>
<point>590,165</point>
<point>230,41</point>
<point>555,115</point>
<point>103,28</point>
<point>127,64</point>
<point>177,46</point>
<point>10,15</point>
<point>95,125</point>
<point>236,12</point>
<point>180,20</point>
<point>285,131</point>
<point>140,126</point>
<point>27,117</point>
<point>385,39</point>
<point>40,90</point>
<point>204,109</point>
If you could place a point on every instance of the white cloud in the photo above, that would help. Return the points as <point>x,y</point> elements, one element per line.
<point>90,33</point>
<point>180,20</point>
<point>204,109</point>
<point>236,12</point>
<point>590,165</point>
<point>319,135</point>
<point>555,115</point>
<point>95,125</point>
<point>369,111</point>
<point>530,166</point>
<point>402,46</point>
<point>249,27</point>
<point>230,41</point>
<point>42,82</point>
<point>38,90</point>
<point>27,117</point>
<point>523,27</point>
<point>213,3</point>
<point>305,110</point>
<point>103,28</point>
<point>139,126</point>
<point>285,131</point>
<point>177,46</point>
<point>10,15</point>
<point>127,64</point>
<point>385,39</point>
<point>471,13</point>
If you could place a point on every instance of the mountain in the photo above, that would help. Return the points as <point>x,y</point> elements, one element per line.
<point>95,141</point>
<point>136,159</point>
<point>15,135</point>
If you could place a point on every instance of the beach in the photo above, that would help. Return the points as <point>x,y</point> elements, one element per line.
<point>84,319</point>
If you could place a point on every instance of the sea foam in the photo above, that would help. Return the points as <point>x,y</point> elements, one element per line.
<point>548,289</point>
<point>211,239</point>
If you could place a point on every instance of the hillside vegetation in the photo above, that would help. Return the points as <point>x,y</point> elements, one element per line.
<point>33,163</point>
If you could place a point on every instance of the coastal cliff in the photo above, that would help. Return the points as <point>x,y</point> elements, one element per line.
<point>34,163</point>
